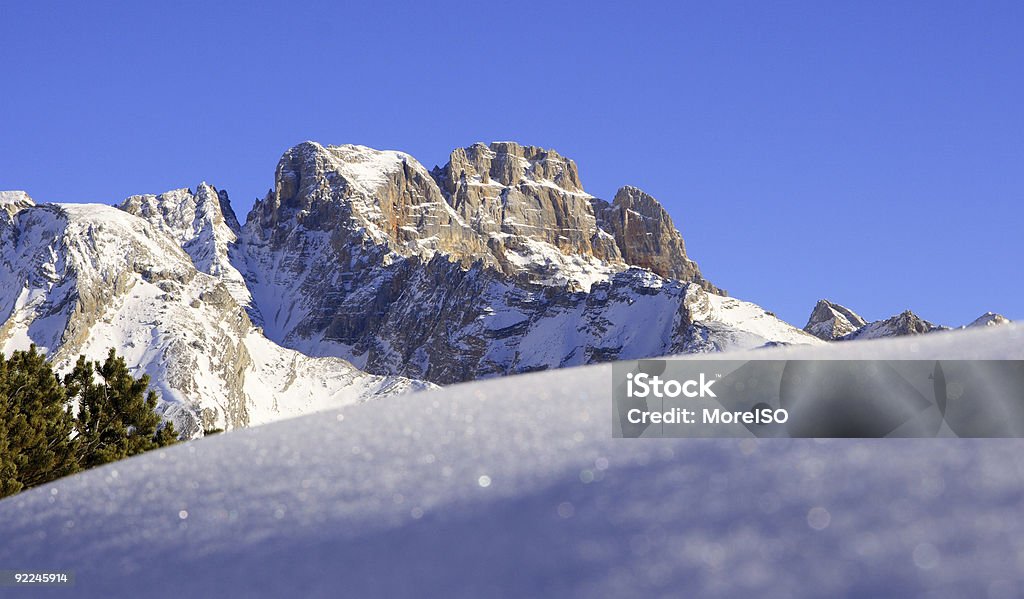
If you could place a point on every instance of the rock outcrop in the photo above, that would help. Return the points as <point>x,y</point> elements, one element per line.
<point>830,321</point>
<point>529,206</point>
<point>646,236</point>
<point>512,195</point>
<point>361,197</point>
<point>203,224</point>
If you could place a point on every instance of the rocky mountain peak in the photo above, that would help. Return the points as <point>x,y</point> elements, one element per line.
<point>528,206</point>
<point>185,214</point>
<point>519,209</point>
<point>908,323</point>
<point>830,321</point>
<point>519,196</point>
<point>646,236</point>
<point>204,226</point>
<point>370,203</point>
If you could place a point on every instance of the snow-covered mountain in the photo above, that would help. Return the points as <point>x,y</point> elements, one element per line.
<point>832,322</point>
<point>499,262</point>
<point>904,323</point>
<point>82,278</point>
<point>361,267</point>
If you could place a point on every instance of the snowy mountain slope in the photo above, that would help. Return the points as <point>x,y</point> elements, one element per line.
<point>81,279</point>
<point>514,487</point>
<point>439,322</point>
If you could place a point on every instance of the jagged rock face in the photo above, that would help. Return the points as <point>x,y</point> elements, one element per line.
<point>439,322</point>
<point>80,279</point>
<point>831,321</point>
<point>337,214</point>
<point>905,323</point>
<point>361,197</point>
<point>203,224</point>
<point>990,319</point>
<point>646,236</point>
<point>513,195</point>
<point>509,164</point>
<point>188,217</point>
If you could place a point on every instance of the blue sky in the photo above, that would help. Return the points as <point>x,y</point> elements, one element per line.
<point>869,152</point>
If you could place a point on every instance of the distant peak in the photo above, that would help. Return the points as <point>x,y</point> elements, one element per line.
<point>181,211</point>
<point>12,202</point>
<point>904,323</point>
<point>15,197</point>
<point>989,319</point>
<point>830,320</point>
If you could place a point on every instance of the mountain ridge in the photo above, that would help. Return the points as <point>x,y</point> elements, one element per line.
<point>362,274</point>
<point>830,321</point>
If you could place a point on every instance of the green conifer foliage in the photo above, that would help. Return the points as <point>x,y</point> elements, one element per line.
<point>36,426</point>
<point>116,414</point>
<point>41,438</point>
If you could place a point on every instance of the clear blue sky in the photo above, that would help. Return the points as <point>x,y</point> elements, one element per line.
<point>869,152</point>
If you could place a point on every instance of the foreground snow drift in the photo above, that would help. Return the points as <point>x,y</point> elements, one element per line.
<point>514,487</point>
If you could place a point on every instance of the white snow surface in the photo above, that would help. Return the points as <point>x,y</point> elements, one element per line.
<point>514,487</point>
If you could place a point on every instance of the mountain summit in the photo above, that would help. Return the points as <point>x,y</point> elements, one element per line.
<point>499,262</point>
<point>831,321</point>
